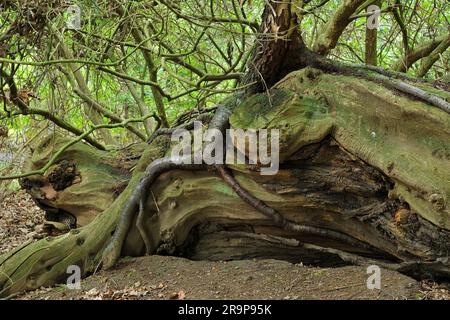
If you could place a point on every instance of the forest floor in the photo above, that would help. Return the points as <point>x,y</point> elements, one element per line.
<point>162,277</point>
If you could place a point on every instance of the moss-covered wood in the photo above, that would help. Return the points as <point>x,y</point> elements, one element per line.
<point>356,158</point>
<point>83,182</point>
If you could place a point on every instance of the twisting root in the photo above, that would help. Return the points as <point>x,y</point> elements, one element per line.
<point>112,252</point>
<point>136,202</point>
<point>193,114</point>
<point>220,122</point>
<point>419,93</point>
<point>388,73</point>
<point>282,221</point>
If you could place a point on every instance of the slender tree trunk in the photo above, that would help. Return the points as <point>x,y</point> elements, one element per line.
<point>371,54</point>
<point>77,79</point>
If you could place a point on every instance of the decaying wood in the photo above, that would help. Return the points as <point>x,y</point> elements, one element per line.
<point>112,252</point>
<point>82,183</point>
<point>356,158</point>
<point>279,219</point>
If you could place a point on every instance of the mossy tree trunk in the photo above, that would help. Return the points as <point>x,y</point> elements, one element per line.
<point>356,158</point>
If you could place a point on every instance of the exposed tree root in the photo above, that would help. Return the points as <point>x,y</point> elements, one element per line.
<point>140,225</point>
<point>388,73</point>
<point>438,269</point>
<point>189,126</point>
<point>220,121</point>
<point>136,202</point>
<point>337,175</point>
<point>223,245</point>
<point>112,252</point>
<point>281,221</point>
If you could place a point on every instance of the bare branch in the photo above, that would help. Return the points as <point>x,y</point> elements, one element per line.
<point>55,157</point>
<point>331,32</point>
<point>414,55</point>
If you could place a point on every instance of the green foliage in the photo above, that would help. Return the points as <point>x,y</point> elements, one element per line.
<point>185,41</point>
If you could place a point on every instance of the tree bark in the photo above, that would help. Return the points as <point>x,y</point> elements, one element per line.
<point>371,54</point>
<point>279,48</point>
<point>356,158</point>
<point>428,62</point>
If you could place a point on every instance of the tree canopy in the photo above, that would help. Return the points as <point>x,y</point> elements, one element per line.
<point>155,60</point>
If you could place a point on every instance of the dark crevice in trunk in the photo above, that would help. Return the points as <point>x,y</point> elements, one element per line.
<point>334,184</point>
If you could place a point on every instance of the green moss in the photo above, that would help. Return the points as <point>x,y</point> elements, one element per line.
<point>301,119</point>
<point>405,138</point>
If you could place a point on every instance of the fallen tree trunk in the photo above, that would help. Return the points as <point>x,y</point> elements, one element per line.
<point>356,158</point>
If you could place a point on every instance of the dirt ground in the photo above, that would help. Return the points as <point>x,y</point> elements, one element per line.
<point>159,277</point>
<point>162,277</point>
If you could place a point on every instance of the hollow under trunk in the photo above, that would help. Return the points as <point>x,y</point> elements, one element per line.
<point>355,157</point>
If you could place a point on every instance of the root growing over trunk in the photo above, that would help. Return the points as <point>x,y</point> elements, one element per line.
<point>363,179</point>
